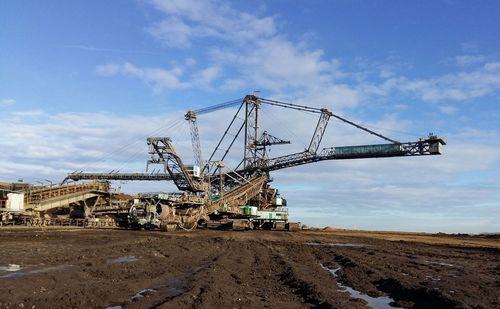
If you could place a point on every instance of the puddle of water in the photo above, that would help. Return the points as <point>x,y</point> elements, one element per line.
<point>123,259</point>
<point>333,271</point>
<point>177,286</point>
<point>172,288</point>
<point>10,267</point>
<point>381,302</point>
<point>142,293</point>
<point>444,264</point>
<point>330,244</point>
<point>17,274</point>
<point>167,290</point>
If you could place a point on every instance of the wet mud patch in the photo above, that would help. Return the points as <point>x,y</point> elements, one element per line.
<point>344,261</point>
<point>9,267</point>
<point>177,286</point>
<point>162,293</point>
<point>330,244</point>
<point>142,294</point>
<point>381,302</point>
<point>15,271</point>
<point>123,259</point>
<point>443,264</point>
<point>415,297</point>
<point>244,271</point>
<point>303,289</point>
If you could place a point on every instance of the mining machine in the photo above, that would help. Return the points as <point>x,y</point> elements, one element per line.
<point>214,195</point>
<point>47,203</point>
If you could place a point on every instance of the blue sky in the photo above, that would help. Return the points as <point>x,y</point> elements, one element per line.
<point>81,79</point>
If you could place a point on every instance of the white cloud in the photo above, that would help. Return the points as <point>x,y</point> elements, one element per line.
<point>461,86</point>
<point>161,79</point>
<point>190,62</point>
<point>401,106</point>
<point>492,66</point>
<point>205,77</point>
<point>51,145</point>
<point>7,101</point>
<point>470,47</point>
<point>284,69</point>
<point>112,50</point>
<point>30,113</point>
<point>465,60</point>
<point>271,62</point>
<point>108,69</point>
<point>193,9</point>
<point>173,32</point>
<point>189,20</point>
<point>158,79</point>
<point>277,64</point>
<point>448,109</point>
<point>335,97</point>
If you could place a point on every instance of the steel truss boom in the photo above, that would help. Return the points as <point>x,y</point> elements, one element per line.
<point>430,146</point>
<point>255,152</point>
<point>162,152</point>
<point>118,176</point>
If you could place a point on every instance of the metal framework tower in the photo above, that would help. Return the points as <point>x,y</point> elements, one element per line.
<point>320,131</point>
<point>252,105</point>
<point>195,137</point>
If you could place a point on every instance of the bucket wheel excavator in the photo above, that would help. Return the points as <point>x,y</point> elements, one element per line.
<point>216,196</point>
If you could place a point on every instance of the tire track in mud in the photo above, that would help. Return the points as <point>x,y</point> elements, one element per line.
<point>303,275</point>
<point>245,276</point>
<point>211,269</point>
<point>305,290</point>
<point>372,277</point>
<point>179,282</point>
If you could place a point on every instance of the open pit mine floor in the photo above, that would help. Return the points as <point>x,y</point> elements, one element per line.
<point>89,268</point>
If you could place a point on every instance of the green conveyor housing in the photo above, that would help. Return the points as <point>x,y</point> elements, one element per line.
<point>369,150</point>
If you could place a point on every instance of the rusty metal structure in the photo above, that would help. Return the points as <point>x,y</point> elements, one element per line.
<point>212,194</point>
<point>215,195</point>
<point>52,204</point>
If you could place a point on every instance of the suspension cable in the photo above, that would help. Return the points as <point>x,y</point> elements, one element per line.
<point>364,129</point>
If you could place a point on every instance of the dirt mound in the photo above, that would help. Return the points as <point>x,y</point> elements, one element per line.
<point>329,228</point>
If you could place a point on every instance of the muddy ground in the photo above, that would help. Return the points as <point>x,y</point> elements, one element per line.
<point>84,268</point>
